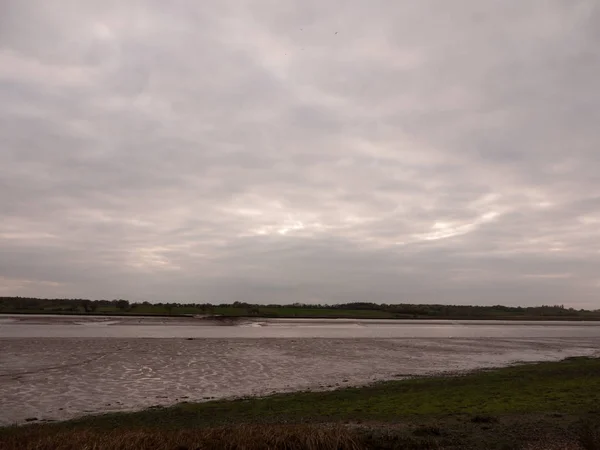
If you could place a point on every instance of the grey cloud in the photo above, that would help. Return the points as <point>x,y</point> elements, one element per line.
<point>245,151</point>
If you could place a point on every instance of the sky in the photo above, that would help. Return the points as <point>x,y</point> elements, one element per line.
<point>277,151</point>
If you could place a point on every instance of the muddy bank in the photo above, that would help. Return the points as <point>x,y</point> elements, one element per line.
<point>54,379</point>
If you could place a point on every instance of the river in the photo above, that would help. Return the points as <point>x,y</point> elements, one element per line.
<point>59,367</point>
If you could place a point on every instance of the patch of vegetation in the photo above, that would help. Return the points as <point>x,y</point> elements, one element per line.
<point>588,435</point>
<point>240,309</point>
<point>484,419</point>
<point>247,437</point>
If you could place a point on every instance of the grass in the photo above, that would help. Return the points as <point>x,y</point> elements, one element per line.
<point>227,311</point>
<point>292,313</point>
<point>522,433</point>
<point>248,437</point>
<point>516,407</point>
<point>366,311</point>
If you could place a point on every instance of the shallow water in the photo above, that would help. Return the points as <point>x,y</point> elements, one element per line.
<point>62,367</point>
<point>17,326</point>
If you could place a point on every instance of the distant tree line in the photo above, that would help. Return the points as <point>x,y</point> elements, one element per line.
<point>64,305</point>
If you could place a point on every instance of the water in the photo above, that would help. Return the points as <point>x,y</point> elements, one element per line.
<point>60,367</point>
<point>17,326</point>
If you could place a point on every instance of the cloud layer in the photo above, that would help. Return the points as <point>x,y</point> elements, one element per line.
<point>301,151</point>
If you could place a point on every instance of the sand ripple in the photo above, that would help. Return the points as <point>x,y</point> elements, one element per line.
<point>62,378</point>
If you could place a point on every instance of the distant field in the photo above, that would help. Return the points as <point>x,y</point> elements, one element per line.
<point>535,406</point>
<point>224,311</point>
<point>366,311</point>
<point>264,312</point>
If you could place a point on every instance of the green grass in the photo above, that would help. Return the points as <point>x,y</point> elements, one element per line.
<point>308,312</point>
<point>228,311</point>
<point>263,311</point>
<point>286,312</point>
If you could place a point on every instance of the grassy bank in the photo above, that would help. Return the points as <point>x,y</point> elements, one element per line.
<point>295,313</point>
<point>515,407</point>
<point>359,310</point>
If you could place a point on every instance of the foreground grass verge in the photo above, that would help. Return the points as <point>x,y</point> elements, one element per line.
<point>511,407</point>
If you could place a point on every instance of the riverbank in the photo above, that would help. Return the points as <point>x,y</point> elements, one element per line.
<point>102,369</point>
<point>513,407</point>
<point>361,310</point>
<point>234,315</point>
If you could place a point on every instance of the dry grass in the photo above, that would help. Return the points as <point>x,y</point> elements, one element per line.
<point>589,436</point>
<point>586,438</point>
<point>554,446</point>
<point>378,436</point>
<point>246,437</point>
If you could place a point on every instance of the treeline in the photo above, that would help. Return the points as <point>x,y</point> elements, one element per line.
<point>359,309</point>
<point>435,310</point>
<point>60,304</point>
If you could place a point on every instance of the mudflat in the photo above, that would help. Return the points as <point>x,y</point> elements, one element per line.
<point>55,368</point>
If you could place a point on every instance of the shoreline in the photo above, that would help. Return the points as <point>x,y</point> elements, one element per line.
<point>10,318</point>
<point>60,378</point>
<point>310,390</point>
<point>343,385</point>
<point>282,317</point>
<point>512,407</point>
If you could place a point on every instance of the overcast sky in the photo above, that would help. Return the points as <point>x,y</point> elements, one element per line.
<point>301,151</point>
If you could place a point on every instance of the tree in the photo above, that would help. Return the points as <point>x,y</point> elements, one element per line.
<point>122,304</point>
<point>89,306</point>
<point>252,311</point>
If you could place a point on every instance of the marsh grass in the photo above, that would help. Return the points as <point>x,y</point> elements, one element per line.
<point>247,437</point>
<point>442,436</point>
